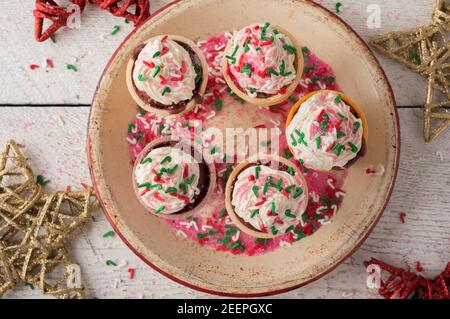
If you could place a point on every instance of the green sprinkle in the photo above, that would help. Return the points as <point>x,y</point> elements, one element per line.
<point>246,47</point>
<point>329,79</point>
<point>288,213</point>
<point>218,103</point>
<point>275,31</point>
<point>146,185</point>
<point>342,116</point>
<point>172,170</point>
<point>160,209</point>
<point>53,39</point>
<point>294,141</point>
<point>273,208</point>
<point>30,285</point>
<point>290,228</point>
<point>72,67</point>
<point>224,241</point>
<point>157,186</point>
<point>274,230</point>
<point>301,136</point>
<point>131,127</point>
<point>288,188</point>
<point>356,126</point>
<point>255,189</point>
<point>354,147</point>
<point>202,235</point>
<point>278,184</point>
<point>340,134</point>
<point>116,29</point>
<point>337,99</point>
<point>298,192</point>
<point>156,54</point>
<point>172,190</point>
<point>289,48</point>
<point>272,71</point>
<point>265,188</point>
<point>40,180</point>
<point>232,59</point>
<point>338,7</point>
<point>222,213</point>
<point>340,150</point>
<point>167,159</point>
<point>414,57</point>
<point>156,71</point>
<point>183,188</point>
<point>257,170</point>
<point>246,69</point>
<point>305,50</point>
<point>282,67</point>
<point>287,154</point>
<point>234,51</point>
<point>126,21</point>
<point>237,245</point>
<point>262,241</point>
<point>166,90</point>
<point>212,232</point>
<point>142,78</point>
<point>264,30</point>
<point>213,150</point>
<point>324,125</point>
<point>111,233</point>
<point>254,213</point>
<point>318,142</point>
<point>290,170</point>
<point>109,262</point>
<point>335,147</point>
<point>190,180</point>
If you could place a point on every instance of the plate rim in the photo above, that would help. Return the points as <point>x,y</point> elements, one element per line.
<point>88,146</point>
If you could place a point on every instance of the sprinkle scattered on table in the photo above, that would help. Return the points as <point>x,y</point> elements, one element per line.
<point>116,29</point>
<point>338,7</point>
<point>109,262</point>
<point>34,66</point>
<point>110,233</point>
<point>402,217</point>
<point>41,180</point>
<point>72,67</point>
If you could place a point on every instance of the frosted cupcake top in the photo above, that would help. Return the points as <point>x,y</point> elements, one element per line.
<point>324,133</point>
<point>261,59</point>
<point>268,199</point>
<point>164,71</point>
<point>167,179</point>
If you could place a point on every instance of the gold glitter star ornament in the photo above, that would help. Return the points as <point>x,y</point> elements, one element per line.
<point>34,228</point>
<point>425,50</point>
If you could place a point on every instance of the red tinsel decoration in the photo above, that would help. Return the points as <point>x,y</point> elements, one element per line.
<point>50,9</point>
<point>403,284</point>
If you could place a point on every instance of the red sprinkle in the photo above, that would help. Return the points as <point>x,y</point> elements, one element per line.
<point>34,66</point>
<point>319,117</point>
<point>164,51</point>
<point>370,171</point>
<point>49,63</point>
<point>270,214</point>
<point>330,147</point>
<point>157,195</point>
<point>262,201</point>
<point>176,79</point>
<point>164,38</point>
<point>163,80</point>
<point>402,217</point>
<point>84,185</point>
<point>282,90</point>
<point>251,178</point>
<point>183,67</point>
<point>131,271</point>
<point>260,126</point>
<point>68,188</point>
<point>285,193</point>
<point>151,65</point>
<point>184,198</point>
<point>145,191</point>
<point>264,43</point>
<point>241,61</point>
<point>185,171</point>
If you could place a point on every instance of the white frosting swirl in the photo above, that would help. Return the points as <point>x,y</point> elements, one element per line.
<point>270,200</point>
<point>160,178</point>
<point>267,53</point>
<point>164,71</point>
<point>324,133</point>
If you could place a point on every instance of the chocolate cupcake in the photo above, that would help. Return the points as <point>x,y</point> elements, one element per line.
<point>262,64</point>
<point>167,75</point>
<point>170,180</point>
<point>326,130</point>
<point>266,196</point>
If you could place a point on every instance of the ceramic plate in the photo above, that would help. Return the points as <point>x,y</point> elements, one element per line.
<point>358,75</point>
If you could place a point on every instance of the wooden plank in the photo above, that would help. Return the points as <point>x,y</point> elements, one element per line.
<point>54,140</point>
<point>90,47</point>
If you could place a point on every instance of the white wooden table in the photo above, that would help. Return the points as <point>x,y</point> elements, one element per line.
<point>47,110</point>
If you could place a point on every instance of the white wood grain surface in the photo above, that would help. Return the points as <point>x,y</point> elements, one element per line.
<point>90,47</point>
<point>55,137</point>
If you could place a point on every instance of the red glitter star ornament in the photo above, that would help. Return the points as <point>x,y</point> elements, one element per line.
<point>58,14</point>
<point>50,9</point>
<point>403,284</point>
